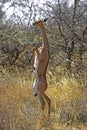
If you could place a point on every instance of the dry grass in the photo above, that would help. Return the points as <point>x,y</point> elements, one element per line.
<point>19,110</point>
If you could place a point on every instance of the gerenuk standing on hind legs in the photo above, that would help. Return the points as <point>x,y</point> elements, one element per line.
<point>40,59</point>
<point>40,63</point>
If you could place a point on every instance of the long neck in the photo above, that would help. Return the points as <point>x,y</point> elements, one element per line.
<point>44,36</point>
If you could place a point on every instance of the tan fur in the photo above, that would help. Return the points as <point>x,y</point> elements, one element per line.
<point>43,57</point>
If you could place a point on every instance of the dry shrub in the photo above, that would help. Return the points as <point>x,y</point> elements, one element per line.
<point>70,101</point>
<point>12,98</point>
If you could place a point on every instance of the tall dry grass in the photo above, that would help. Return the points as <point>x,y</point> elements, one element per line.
<point>19,110</point>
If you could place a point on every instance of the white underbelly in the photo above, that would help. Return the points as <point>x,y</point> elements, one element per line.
<point>35,66</point>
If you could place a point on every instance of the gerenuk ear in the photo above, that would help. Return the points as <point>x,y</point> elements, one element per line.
<point>45,20</point>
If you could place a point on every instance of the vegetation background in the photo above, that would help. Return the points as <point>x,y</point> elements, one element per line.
<point>66,29</point>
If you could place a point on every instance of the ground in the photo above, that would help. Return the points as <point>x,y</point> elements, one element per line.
<point>20,110</point>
